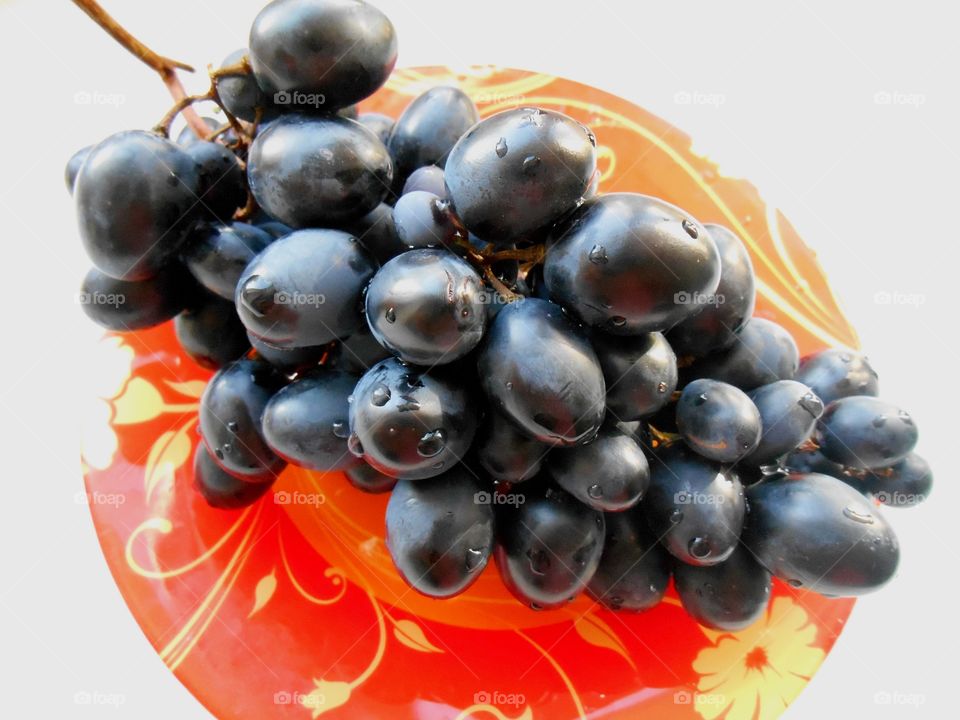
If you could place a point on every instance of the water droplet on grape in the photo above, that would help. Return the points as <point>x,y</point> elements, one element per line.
<point>794,583</point>
<point>354,445</point>
<point>219,453</point>
<point>341,430</point>
<point>661,387</point>
<point>530,163</point>
<point>676,516</point>
<point>700,399</point>
<point>595,491</point>
<point>473,559</point>
<point>699,548</point>
<point>501,147</point>
<point>539,561</point>
<point>232,427</point>
<point>257,295</point>
<point>227,448</point>
<point>812,404</point>
<point>380,395</point>
<point>861,517</point>
<point>432,443</point>
<point>691,229</point>
<point>879,421</point>
<point>905,417</point>
<point>618,321</point>
<point>598,255</point>
<point>390,315</point>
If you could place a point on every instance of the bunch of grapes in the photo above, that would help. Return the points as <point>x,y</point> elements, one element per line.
<point>445,309</point>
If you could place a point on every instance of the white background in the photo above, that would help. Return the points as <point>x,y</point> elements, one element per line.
<point>873,188</point>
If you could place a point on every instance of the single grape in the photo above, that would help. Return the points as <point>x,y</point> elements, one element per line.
<point>73,166</point>
<point>730,596</point>
<point>423,220</point>
<point>714,325</point>
<point>548,546</point>
<point>286,359</point>
<point>136,198</point>
<point>408,423</point>
<point>124,306</point>
<point>609,474</point>
<point>818,533</point>
<point>427,307</point>
<point>377,232</point>
<point>519,171</point>
<point>428,178</point>
<point>694,506</point>
<point>379,124</point>
<point>307,424</point>
<point>630,264</point>
<point>763,353</point>
<point>359,352</point>
<point>305,289</point>
<point>218,254</point>
<point>813,461</point>
<point>239,93</point>
<point>865,432</point>
<point>438,535</point>
<point>221,489</point>
<point>338,164</point>
<point>211,333</point>
<point>634,569</point>
<point>538,369</point>
<point>506,453</point>
<point>836,373</point>
<point>223,187</point>
<point>788,412</point>
<point>187,136</point>
<point>905,484</point>
<point>718,420</point>
<point>428,129</point>
<point>274,229</point>
<point>640,372</point>
<point>339,51</point>
<point>366,479</point>
<point>230,419</point>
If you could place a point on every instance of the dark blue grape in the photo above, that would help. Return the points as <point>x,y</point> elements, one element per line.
<point>73,166</point>
<point>223,187</point>
<point>438,535</point>
<point>377,232</point>
<point>310,171</point>
<point>730,596</point>
<point>340,51</point>
<point>359,352</point>
<point>187,136</point>
<point>609,474</point>
<point>368,480</point>
<point>548,546</point>
<point>905,484</point>
<point>630,264</point>
<point>307,422</point>
<point>125,306</point>
<point>275,229</point>
<point>763,353</point>
<point>634,568</point>
<point>230,419</point>
<point>714,325</point>
<point>305,289</point>
<point>506,453</point>
<point>818,533</point>
<point>408,423</point>
<point>239,93</point>
<point>287,359</point>
<point>423,220</point>
<point>221,489</point>
<point>694,506</point>
<point>538,369</point>
<point>788,411</point>
<point>837,373</point>
<point>519,171</point>
<point>428,129</point>
<point>379,124</point>
<point>865,432</point>
<point>428,178</point>
<point>427,306</point>
<point>211,333</point>
<point>640,372</point>
<point>136,200</point>
<point>718,420</point>
<point>813,461</point>
<point>218,254</point>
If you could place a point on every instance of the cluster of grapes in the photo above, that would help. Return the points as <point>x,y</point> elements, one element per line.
<point>446,309</point>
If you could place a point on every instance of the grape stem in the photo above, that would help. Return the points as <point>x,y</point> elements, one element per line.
<point>163,66</point>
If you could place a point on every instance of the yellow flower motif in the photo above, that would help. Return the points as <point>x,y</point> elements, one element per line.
<point>756,673</point>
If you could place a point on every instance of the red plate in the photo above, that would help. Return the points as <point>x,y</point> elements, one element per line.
<point>292,608</point>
